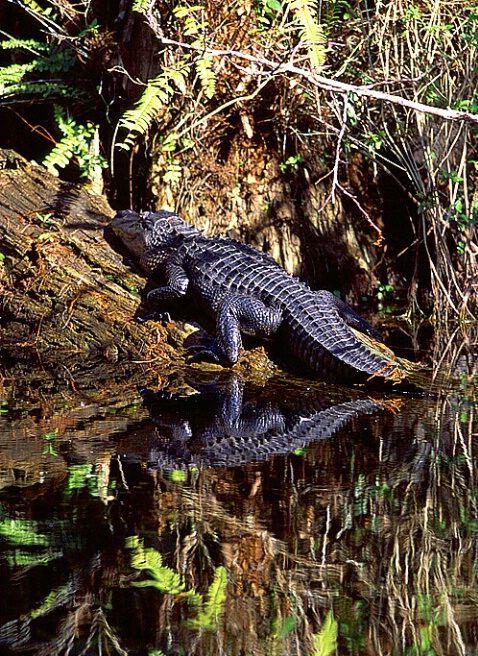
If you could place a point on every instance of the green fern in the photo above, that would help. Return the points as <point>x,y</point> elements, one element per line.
<point>141,6</point>
<point>76,143</point>
<point>24,44</point>
<point>156,95</point>
<point>18,79</point>
<point>325,642</point>
<point>174,172</point>
<point>206,75</point>
<point>213,608</point>
<point>162,578</point>
<point>11,76</point>
<point>311,33</point>
<point>35,7</point>
<point>192,26</point>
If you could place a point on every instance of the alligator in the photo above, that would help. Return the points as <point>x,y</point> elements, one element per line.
<point>247,291</point>
<point>229,424</point>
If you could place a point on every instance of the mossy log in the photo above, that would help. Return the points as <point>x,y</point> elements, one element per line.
<point>67,301</point>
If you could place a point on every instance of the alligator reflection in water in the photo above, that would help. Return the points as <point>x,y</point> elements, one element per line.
<point>375,527</point>
<point>219,428</point>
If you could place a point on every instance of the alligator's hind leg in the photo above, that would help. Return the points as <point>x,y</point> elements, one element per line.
<point>238,314</point>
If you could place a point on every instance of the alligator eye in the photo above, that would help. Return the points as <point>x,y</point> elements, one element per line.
<point>146,222</point>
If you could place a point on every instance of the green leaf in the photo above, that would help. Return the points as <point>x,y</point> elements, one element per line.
<point>325,642</point>
<point>149,560</point>
<point>311,33</point>
<point>178,475</point>
<point>207,76</point>
<point>213,610</point>
<point>141,6</point>
<point>22,532</point>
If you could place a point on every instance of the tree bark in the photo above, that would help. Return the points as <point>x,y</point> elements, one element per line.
<point>67,301</point>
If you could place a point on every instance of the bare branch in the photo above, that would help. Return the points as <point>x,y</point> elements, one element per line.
<point>321,82</point>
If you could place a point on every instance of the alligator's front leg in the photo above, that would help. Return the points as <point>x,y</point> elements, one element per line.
<point>176,287</point>
<point>245,314</point>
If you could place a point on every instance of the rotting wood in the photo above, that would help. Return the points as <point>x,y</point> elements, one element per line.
<point>67,300</point>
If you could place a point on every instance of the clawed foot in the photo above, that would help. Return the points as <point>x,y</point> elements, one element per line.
<point>164,317</point>
<point>204,351</point>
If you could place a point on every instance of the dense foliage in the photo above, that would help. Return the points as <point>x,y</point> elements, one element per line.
<point>336,96</point>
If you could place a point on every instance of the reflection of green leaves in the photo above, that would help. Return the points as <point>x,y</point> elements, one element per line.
<point>58,595</point>
<point>282,627</point>
<point>212,609</point>
<point>19,558</point>
<point>162,578</point>
<point>82,477</point>
<point>166,580</point>
<point>179,475</point>
<point>325,642</point>
<point>22,532</point>
<point>49,447</point>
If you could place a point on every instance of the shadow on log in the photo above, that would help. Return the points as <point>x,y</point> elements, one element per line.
<point>67,301</point>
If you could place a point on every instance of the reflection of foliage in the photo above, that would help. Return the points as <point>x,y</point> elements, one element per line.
<point>24,542</point>
<point>166,580</point>
<point>380,529</point>
<point>22,532</point>
<point>81,477</point>
<point>212,609</point>
<point>325,642</point>
<point>149,561</point>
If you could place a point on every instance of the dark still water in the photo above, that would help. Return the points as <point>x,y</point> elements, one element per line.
<point>257,518</point>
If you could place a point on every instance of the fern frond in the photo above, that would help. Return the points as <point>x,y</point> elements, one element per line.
<point>149,560</point>
<point>311,33</point>
<point>183,10</point>
<point>57,61</point>
<point>213,607</point>
<point>34,6</point>
<point>45,89</point>
<point>141,6</point>
<point>325,642</point>
<point>60,156</point>
<point>138,119</point>
<point>12,78</point>
<point>156,95</point>
<point>207,76</point>
<point>174,172</point>
<point>178,77</point>
<point>12,75</point>
<point>24,44</point>
<point>76,143</point>
<point>191,26</point>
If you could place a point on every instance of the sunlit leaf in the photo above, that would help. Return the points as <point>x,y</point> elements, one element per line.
<point>209,617</point>
<point>325,642</point>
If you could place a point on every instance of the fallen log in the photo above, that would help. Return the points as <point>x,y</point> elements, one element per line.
<point>67,301</point>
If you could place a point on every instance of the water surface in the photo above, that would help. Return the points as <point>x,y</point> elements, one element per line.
<point>242,518</point>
